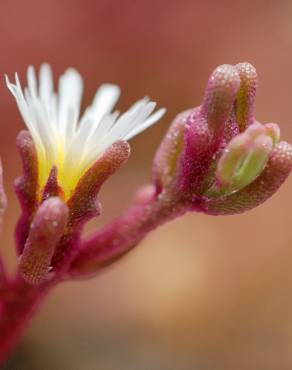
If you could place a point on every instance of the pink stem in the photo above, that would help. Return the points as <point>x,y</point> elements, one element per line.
<point>119,237</point>
<point>17,306</point>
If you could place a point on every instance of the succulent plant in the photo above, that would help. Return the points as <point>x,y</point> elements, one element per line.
<point>215,159</point>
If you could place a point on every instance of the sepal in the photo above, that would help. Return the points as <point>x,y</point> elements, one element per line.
<point>48,226</point>
<point>26,187</point>
<point>166,158</point>
<point>220,95</point>
<point>246,95</point>
<point>84,204</point>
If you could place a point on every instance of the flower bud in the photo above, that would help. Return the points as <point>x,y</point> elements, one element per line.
<point>219,147</point>
<point>243,159</point>
<point>263,187</point>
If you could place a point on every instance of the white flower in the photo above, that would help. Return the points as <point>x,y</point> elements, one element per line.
<point>61,138</point>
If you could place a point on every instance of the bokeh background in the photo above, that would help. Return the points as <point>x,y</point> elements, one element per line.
<point>201,293</point>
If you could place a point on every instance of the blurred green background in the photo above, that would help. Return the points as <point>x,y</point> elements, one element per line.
<point>201,293</point>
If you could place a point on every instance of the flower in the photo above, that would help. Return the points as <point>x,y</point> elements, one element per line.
<point>64,140</point>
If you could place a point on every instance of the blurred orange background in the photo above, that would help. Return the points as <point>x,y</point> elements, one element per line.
<point>201,293</point>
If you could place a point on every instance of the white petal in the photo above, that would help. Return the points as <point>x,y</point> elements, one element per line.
<point>25,111</point>
<point>46,85</point>
<point>138,104</point>
<point>105,126</point>
<point>94,146</point>
<point>131,119</point>
<point>44,131</point>
<point>21,103</point>
<point>144,125</point>
<point>104,101</point>
<point>70,92</point>
<point>32,81</point>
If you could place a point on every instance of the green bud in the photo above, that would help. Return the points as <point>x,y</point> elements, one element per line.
<point>243,159</point>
